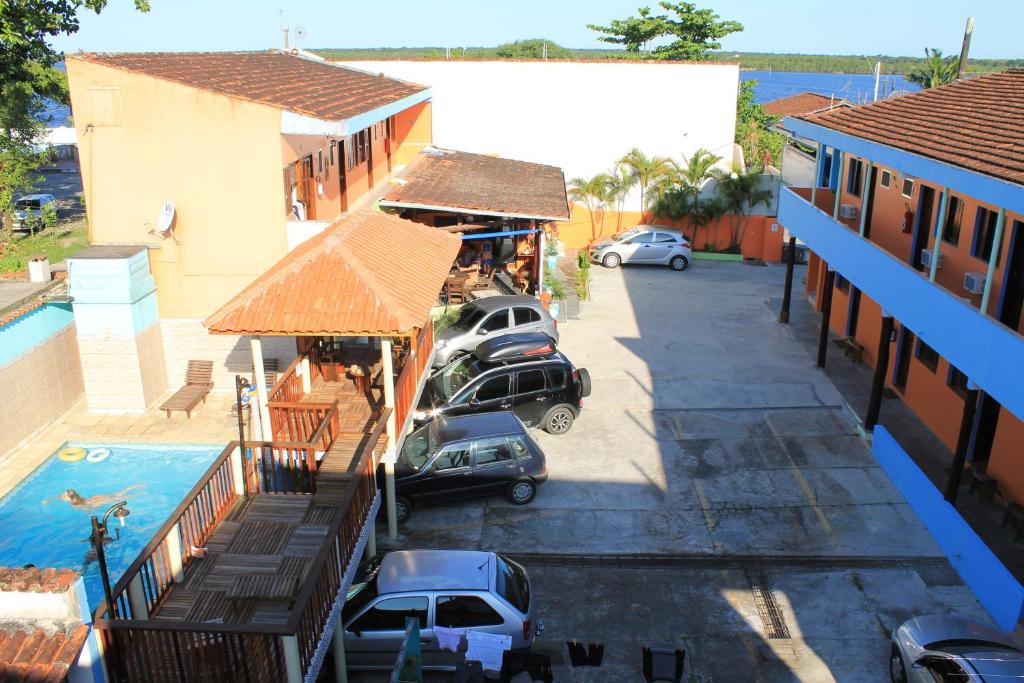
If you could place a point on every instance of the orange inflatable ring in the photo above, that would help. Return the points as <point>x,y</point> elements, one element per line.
<point>72,454</point>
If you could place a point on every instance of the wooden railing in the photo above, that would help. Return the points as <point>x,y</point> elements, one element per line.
<point>297,420</point>
<point>320,590</point>
<point>289,385</point>
<point>409,378</point>
<point>139,648</point>
<point>172,547</point>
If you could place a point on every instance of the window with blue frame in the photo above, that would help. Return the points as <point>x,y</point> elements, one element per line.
<point>855,177</point>
<point>928,356</point>
<point>984,234</point>
<point>954,216</point>
<point>957,381</point>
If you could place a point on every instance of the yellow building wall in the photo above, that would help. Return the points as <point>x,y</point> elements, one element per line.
<point>414,130</point>
<point>142,142</point>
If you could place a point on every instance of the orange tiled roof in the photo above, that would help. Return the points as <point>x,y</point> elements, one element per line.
<point>370,274</point>
<point>802,103</point>
<point>36,655</point>
<point>975,123</point>
<point>479,183</point>
<point>292,82</point>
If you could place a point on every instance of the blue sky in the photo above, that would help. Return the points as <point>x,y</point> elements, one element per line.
<point>810,26</point>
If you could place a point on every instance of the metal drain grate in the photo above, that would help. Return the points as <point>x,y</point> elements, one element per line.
<point>937,572</point>
<point>772,620</point>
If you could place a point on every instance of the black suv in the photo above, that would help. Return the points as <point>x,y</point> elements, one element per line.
<point>523,373</point>
<point>454,458</point>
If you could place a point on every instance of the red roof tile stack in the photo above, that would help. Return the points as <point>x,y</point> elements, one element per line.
<point>370,274</point>
<point>278,79</point>
<point>476,182</point>
<point>975,123</point>
<point>38,655</point>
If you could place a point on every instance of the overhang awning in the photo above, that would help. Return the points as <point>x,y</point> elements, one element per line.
<point>369,274</point>
<point>460,182</point>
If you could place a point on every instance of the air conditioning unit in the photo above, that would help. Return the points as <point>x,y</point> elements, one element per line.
<point>974,282</point>
<point>926,259</point>
<point>848,211</point>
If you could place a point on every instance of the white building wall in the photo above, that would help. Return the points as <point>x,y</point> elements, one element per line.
<point>580,116</point>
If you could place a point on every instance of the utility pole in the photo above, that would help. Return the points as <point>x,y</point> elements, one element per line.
<point>966,47</point>
<point>284,29</point>
<point>878,76</point>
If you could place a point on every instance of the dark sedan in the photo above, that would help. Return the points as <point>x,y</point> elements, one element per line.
<point>454,458</point>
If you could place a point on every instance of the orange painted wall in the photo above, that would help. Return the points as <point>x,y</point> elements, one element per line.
<point>927,392</point>
<point>296,147</point>
<point>757,240</point>
<point>1007,463</point>
<point>414,130</point>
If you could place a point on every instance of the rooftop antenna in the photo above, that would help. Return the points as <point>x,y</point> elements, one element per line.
<point>284,29</point>
<point>966,47</point>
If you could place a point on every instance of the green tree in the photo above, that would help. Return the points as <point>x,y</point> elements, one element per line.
<point>594,194</point>
<point>532,49</point>
<point>647,171</point>
<point>697,170</point>
<point>692,32</point>
<point>634,33</point>
<point>936,70</point>
<point>741,193</point>
<point>754,131</point>
<point>620,183</point>
<point>27,75</point>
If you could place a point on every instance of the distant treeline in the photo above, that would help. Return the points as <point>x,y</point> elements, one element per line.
<point>756,61</point>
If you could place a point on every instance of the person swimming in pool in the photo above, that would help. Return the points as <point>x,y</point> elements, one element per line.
<point>79,501</point>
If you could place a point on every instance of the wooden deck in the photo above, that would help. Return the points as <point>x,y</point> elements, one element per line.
<point>355,409</point>
<point>255,562</point>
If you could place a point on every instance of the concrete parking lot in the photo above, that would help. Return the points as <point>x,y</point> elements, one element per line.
<point>719,489</point>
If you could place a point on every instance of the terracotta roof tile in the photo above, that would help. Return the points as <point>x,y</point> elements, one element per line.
<point>34,580</point>
<point>801,103</point>
<point>16,313</point>
<point>975,123</point>
<point>294,83</point>
<point>372,273</point>
<point>484,184</point>
<point>39,656</point>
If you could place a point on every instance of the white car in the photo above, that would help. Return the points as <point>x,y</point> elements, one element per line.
<point>28,210</point>
<point>652,244</point>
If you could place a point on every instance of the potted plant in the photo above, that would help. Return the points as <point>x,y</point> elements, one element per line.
<point>556,289</point>
<point>551,252</point>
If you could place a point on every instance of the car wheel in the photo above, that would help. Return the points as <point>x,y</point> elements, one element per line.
<point>897,672</point>
<point>611,261</point>
<point>521,492</point>
<point>678,263</point>
<point>585,385</point>
<point>559,420</point>
<point>403,508</point>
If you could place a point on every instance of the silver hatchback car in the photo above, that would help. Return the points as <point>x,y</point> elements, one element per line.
<point>490,317</point>
<point>652,244</point>
<point>464,590</point>
<point>951,648</point>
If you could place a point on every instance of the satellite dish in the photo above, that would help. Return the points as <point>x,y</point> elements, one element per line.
<point>300,33</point>
<point>166,220</point>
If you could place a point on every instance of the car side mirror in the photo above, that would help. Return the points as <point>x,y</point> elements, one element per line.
<point>482,331</point>
<point>474,401</point>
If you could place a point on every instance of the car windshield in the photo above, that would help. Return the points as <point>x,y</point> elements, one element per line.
<point>469,316</point>
<point>513,584</point>
<point>419,446</point>
<point>629,234</point>
<point>447,382</point>
<point>27,204</point>
<point>364,587</point>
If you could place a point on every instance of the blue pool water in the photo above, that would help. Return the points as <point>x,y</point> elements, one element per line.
<point>55,533</point>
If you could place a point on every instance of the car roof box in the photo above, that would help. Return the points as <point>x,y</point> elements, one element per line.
<point>509,347</point>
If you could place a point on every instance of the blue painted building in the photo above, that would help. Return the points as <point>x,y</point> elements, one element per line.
<point>916,229</point>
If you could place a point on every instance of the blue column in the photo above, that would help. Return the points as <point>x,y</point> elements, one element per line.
<point>835,170</point>
<point>819,172</point>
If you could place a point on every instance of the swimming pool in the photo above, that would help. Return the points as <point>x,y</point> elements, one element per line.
<point>38,527</point>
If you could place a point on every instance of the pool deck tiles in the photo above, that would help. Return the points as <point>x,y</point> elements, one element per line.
<point>211,423</point>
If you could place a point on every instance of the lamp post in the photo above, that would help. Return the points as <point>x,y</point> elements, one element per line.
<point>97,538</point>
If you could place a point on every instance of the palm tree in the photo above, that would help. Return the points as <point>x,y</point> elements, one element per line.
<point>698,169</point>
<point>594,194</point>
<point>936,71</point>
<point>740,193</point>
<point>646,170</point>
<point>620,183</point>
